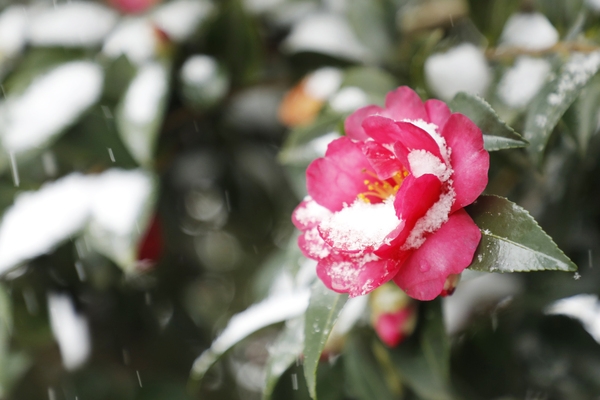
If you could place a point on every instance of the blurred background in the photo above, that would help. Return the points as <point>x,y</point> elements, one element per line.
<point>151,153</point>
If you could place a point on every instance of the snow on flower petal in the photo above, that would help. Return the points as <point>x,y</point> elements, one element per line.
<point>386,202</point>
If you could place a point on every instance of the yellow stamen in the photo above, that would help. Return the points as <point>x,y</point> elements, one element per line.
<point>382,189</point>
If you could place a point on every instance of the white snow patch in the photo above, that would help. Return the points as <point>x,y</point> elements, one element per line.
<point>145,93</point>
<point>312,212</point>
<point>180,18</point>
<point>316,246</point>
<point>199,69</point>
<point>134,37</point>
<point>118,198</point>
<point>583,307</point>
<point>432,130</point>
<point>523,81</point>
<point>37,221</point>
<point>349,99</point>
<point>423,162</point>
<point>72,24</point>
<point>50,104</point>
<point>13,30</point>
<point>40,220</point>
<point>361,225</point>
<point>433,219</point>
<point>323,83</point>
<point>326,33</point>
<point>70,330</point>
<point>462,68</point>
<point>530,31</point>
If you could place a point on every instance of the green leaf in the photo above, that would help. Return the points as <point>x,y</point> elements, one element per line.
<point>496,134</point>
<point>554,99</point>
<point>424,361</point>
<point>303,144</point>
<point>284,352</point>
<point>373,81</point>
<point>368,20</point>
<point>366,377</point>
<point>272,310</point>
<point>323,310</point>
<point>512,241</point>
<point>586,113</point>
<point>140,114</point>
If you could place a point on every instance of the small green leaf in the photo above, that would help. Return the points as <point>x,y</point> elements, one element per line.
<point>323,310</point>
<point>284,352</point>
<point>424,361</point>
<point>554,99</point>
<point>366,377</point>
<point>496,134</point>
<point>512,241</point>
<point>369,20</point>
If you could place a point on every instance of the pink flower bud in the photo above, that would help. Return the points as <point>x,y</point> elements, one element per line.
<point>393,314</point>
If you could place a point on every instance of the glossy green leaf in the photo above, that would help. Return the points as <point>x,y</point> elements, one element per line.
<point>424,361</point>
<point>365,376</point>
<point>496,134</point>
<point>323,310</point>
<point>283,353</point>
<point>512,241</point>
<point>548,107</point>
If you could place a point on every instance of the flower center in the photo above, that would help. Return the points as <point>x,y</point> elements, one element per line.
<point>382,189</point>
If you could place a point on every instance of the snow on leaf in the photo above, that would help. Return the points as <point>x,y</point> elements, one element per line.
<point>56,99</point>
<point>70,330</point>
<point>328,34</point>
<point>461,69</point>
<point>179,19</point>
<point>270,311</point>
<point>583,307</point>
<point>112,203</point>
<point>133,37</point>
<point>13,23</point>
<point>72,24</point>
<point>140,113</point>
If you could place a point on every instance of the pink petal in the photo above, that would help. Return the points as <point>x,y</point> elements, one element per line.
<point>312,245</point>
<point>414,198</point>
<point>448,251</point>
<point>338,177</point>
<point>344,273</point>
<point>438,112</point>
<point>353,124</point>
<point>385,131</point>
<point>384,162</point>
<point>404,103</point>
<point>469,159</point>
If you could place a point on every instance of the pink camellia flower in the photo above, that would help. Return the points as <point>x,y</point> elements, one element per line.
<point>386,202</point>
